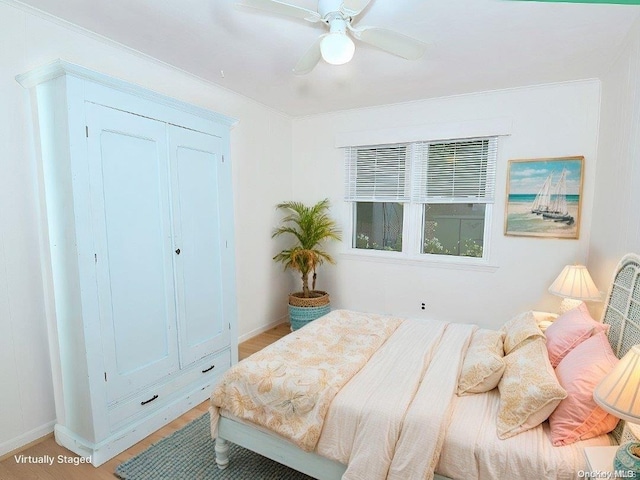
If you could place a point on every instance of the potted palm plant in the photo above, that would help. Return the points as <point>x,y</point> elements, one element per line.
<point>309,227</point>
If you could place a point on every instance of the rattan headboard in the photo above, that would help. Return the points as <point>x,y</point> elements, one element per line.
<point>622,312</point>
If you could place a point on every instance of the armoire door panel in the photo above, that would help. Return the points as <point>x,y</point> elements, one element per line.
<point>130,195</point>
<point>135,248</point>
<point>194,160</point>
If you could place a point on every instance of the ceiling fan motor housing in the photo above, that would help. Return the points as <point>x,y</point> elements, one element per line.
<point>329,9</point>
<point>337,24</point>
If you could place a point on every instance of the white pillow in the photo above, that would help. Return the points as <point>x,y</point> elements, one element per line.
<point>519,329</point>
<point>529,389</point>
<point>483,365</point>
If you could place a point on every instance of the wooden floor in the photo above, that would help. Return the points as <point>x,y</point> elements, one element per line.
<point>259,342</point>
<point>10,469</point>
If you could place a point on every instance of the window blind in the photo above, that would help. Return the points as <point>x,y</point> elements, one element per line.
<point>377,173</point>
<point>461,171</point>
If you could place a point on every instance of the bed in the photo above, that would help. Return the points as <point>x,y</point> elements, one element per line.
<point>391,410</point>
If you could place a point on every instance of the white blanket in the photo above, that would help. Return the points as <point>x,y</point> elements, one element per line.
<point>399,434</point>
<point>473,450</point>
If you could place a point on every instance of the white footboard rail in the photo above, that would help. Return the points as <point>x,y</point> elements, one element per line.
<point>277,449</point>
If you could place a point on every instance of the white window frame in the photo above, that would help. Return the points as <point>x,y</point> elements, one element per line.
<point>412,235</point>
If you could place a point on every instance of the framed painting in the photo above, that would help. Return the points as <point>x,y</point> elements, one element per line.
<point>544,197</point>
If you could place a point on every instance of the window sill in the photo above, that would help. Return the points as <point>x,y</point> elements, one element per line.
<point>397,258</point>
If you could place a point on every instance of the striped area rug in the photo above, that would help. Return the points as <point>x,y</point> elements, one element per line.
<point>188,454</point>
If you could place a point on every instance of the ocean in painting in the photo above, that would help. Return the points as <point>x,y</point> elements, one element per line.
<point>529,197</point>
<point>520,220</point>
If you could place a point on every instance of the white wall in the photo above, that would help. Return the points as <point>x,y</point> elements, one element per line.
<point>548,121</point>
<point>261,155</point>
<point>616,213</point>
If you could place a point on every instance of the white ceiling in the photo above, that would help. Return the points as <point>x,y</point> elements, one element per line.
<point>475,45</point>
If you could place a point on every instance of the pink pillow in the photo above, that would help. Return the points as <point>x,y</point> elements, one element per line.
<point>569,330</point>
<point>578,417</point>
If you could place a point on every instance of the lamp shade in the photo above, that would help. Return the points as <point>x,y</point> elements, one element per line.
<point>619,392</point>
<point>575,282</point>
<point>337,48</point>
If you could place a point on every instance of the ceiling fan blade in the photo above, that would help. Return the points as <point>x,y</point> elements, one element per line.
<point>390,41</point>
<point>310,59</point>
<point>281,8</point>
<point>351,8</point>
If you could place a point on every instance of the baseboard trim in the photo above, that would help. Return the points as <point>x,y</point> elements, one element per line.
<point>263,329</point>
<point>26,440</point>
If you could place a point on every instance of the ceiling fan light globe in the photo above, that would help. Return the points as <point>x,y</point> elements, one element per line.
<point>337,48</point>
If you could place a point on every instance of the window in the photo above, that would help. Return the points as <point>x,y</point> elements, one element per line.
<point>422,198</point>
<point>379,225</point>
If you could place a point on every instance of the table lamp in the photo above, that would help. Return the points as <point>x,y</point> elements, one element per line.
<point>619,394</point>
<point>576,286</point>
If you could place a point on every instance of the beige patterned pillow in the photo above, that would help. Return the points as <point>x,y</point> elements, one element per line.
<point>529,389</point>
<point>483,365</point>
<point>518,329</point>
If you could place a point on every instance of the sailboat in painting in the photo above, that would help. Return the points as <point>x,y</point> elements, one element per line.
<point>541,203</point>
<point>552,203</point>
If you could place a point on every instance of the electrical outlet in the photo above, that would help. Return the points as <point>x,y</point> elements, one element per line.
<point>423,306</point>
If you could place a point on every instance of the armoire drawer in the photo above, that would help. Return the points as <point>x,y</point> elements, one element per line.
<point>198,375</point>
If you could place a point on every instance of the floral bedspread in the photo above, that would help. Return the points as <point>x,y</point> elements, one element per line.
<point>288,386</point>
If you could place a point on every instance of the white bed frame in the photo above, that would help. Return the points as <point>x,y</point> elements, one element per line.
<point>622,312</point>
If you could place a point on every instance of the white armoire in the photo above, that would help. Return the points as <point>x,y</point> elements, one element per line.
<point>138,258</point>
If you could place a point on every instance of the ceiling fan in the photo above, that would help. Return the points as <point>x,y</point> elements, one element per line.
<point>336,47</point>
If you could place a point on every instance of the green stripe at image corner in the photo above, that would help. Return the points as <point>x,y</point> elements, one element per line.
<point>615,2</point>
